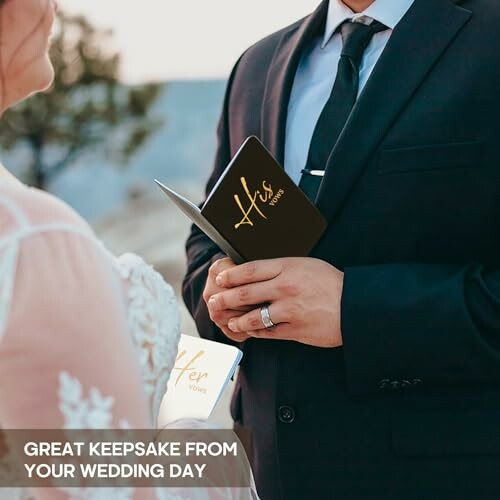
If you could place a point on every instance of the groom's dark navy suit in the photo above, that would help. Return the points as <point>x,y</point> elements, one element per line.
<point>409,407</point>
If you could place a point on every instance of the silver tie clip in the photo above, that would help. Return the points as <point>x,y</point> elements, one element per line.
<point>315,173</point>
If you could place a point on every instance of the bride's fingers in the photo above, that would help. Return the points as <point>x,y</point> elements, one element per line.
<point>252,321</point>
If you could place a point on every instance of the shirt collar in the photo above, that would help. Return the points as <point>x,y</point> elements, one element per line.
<point>387,12</point>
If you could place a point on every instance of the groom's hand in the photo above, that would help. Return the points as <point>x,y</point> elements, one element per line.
<point>219,316</point>
<point>303,294</point>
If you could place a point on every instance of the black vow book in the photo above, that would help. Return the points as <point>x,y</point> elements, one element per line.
<point>255,211</point>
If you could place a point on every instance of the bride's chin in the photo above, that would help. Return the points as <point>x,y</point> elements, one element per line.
<point>39,79</point>
<point>42,76</point>
<point>46,72</point>
<point>49,81</point>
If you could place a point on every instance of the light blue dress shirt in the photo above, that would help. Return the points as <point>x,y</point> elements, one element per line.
<point>317,71</point>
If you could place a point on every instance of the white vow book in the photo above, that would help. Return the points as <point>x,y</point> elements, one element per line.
<point>201,373</point>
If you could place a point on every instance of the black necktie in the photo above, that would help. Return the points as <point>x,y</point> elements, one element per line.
<point>355,38</point>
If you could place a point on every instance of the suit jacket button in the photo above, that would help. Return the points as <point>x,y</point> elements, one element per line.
<point>384,384</point>
<point>286,414</point>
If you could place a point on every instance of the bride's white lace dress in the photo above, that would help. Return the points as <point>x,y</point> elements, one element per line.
<point>87,340</point>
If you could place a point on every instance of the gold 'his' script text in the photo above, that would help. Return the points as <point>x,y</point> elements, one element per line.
<point>265,195</point>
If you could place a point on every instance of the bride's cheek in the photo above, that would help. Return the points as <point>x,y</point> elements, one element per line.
<point>30,69</point>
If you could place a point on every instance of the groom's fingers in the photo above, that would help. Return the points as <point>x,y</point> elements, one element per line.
<point>252,321</point>
<point>235,337</point>
<point>279,332</point>
<point>251,272</point>
<point>247,295</point>
<point>222,317</point>
<point>219,266</point>
<point>211,287</point>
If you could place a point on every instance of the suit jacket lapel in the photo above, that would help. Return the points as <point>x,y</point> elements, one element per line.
<point>414,47</point>
<point>280,78</point>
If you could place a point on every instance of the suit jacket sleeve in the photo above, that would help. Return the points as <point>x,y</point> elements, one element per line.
<point>435,323</point>
<point>201,251</point>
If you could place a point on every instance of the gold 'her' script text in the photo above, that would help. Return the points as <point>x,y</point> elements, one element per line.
<point>188,370</point>
<point>256,201</point>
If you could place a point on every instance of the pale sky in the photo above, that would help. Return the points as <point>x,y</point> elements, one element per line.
<point>167,39</point>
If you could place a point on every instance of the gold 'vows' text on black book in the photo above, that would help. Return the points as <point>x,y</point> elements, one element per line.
<point>259,210</point>
<point>256,201</point>
<point>255,211</point>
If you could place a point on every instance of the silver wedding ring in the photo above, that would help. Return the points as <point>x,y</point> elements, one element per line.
<point>266,317</point>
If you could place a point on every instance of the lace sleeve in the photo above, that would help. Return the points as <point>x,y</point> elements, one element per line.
<point>154,322</point>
